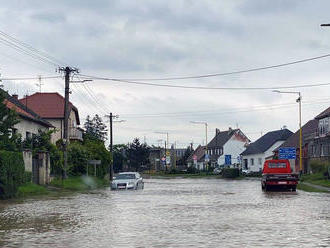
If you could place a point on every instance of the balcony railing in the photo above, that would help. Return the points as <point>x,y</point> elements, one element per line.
<point>75,134</point>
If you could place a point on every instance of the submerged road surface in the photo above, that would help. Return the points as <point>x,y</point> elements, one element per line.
<point>171,213</point>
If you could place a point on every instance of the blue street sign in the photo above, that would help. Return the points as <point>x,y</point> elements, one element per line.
<point>207,158</point>
<point>227,159</point>
<point>287,153</point>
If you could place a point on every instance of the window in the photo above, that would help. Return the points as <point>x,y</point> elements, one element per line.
<point>277,165</point>
<point>252,161</point>
<point>260,161</point>
<point>28,135</point>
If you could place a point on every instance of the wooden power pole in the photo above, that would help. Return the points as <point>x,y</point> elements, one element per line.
<point>67,72</point>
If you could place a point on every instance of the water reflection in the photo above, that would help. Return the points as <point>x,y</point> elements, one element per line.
<point>171,213</point>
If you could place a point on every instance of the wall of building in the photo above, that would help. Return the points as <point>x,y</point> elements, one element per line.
<point>233,147</point>
<point>28,126</point>
<point>57,123</point>
<point>258,161</point>
<point>59,126</point>
<point>260,158</point>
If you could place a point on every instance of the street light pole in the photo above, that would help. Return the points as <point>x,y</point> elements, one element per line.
<point>300,130</point>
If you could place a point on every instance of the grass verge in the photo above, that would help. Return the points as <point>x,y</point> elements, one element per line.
<point>316,178</point>
<point>31,189</point>
<point>308,188</point>
<point>79,183</point>
<point>59,186</point>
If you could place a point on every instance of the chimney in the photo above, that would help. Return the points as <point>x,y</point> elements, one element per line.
<point>217,131</point>
<point>15,96</point>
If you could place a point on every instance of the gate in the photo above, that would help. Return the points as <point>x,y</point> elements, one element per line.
<point>35,170</point>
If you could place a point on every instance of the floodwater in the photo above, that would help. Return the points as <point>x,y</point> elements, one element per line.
<point>171,213</point>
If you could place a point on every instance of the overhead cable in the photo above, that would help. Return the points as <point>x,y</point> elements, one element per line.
<point>227,73</point>
<point>205,87</point>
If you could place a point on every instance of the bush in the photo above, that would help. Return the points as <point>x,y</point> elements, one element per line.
<point>27,177</point>
<point>192,170</point>
<point>230,172</point>
<point>319,166</point>
<point>11,173</point>
<point>78,157</point>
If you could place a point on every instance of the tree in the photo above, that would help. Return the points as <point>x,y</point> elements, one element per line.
<point>188,152</point>
<point>137,154</point>
<point>119,157</point>
<point>8,118</point>
<point>95,129</point>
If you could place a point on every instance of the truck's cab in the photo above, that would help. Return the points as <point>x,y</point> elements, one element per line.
<point>278,174</point>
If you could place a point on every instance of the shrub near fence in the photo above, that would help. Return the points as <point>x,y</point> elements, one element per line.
<point>11,173</point>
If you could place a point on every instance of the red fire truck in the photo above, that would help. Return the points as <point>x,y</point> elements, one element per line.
<point>277,174</point>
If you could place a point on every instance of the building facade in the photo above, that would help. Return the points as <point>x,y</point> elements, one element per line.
<point>50,106</point>
<point>257,152</point>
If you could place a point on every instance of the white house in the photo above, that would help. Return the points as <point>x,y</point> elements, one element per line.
<point>197,158</point>
<point>29,122</point>
<point>230,144</point>
<point>257,152</point>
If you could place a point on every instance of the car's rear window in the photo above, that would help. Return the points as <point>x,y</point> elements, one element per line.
<point>125,176</point>
<point>276,165</point>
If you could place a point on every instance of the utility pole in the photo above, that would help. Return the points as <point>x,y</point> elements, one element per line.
<point>111,117</point>
<point>67,72</point>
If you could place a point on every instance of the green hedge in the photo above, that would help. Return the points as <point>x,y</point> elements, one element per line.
<point>11,173</point>
<point>319,166</point>
<point>230,172</point>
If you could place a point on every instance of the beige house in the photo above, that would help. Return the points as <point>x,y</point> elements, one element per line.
<point>50,106</point>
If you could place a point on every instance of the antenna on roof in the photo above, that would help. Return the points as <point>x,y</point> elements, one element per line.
<point>40,83</point>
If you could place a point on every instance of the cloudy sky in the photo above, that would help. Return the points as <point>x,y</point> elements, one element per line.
<point>156,39</point>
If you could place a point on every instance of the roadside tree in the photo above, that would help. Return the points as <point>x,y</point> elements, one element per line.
<point>137,154</point>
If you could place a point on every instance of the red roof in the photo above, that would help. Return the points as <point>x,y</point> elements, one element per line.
<point>48,105</point>
<point>23,111</point>
<point>18,110</point>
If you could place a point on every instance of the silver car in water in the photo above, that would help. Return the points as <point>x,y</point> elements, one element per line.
<point>128,180</point>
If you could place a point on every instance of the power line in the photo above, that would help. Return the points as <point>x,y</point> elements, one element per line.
<point>228,73</point>
<point>204,87</point>
<point>265,108</point>
<point>27,52</point>
<point>29,78</point>
<point>30,47</point>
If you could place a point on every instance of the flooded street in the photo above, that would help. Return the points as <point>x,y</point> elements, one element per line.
<point>171,213</point>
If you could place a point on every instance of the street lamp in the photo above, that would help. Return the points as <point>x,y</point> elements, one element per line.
<point>203,123</point>
<point>300,131</point>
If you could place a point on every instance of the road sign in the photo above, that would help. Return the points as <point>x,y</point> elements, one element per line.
<point>207,157</point>
<point>287,153</point>
<point>227,159</point>
<point>163,159</point>
<point>168,159</point>
<point>95,162</point>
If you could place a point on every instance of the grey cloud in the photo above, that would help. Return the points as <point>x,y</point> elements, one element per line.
<point>50,17</point>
